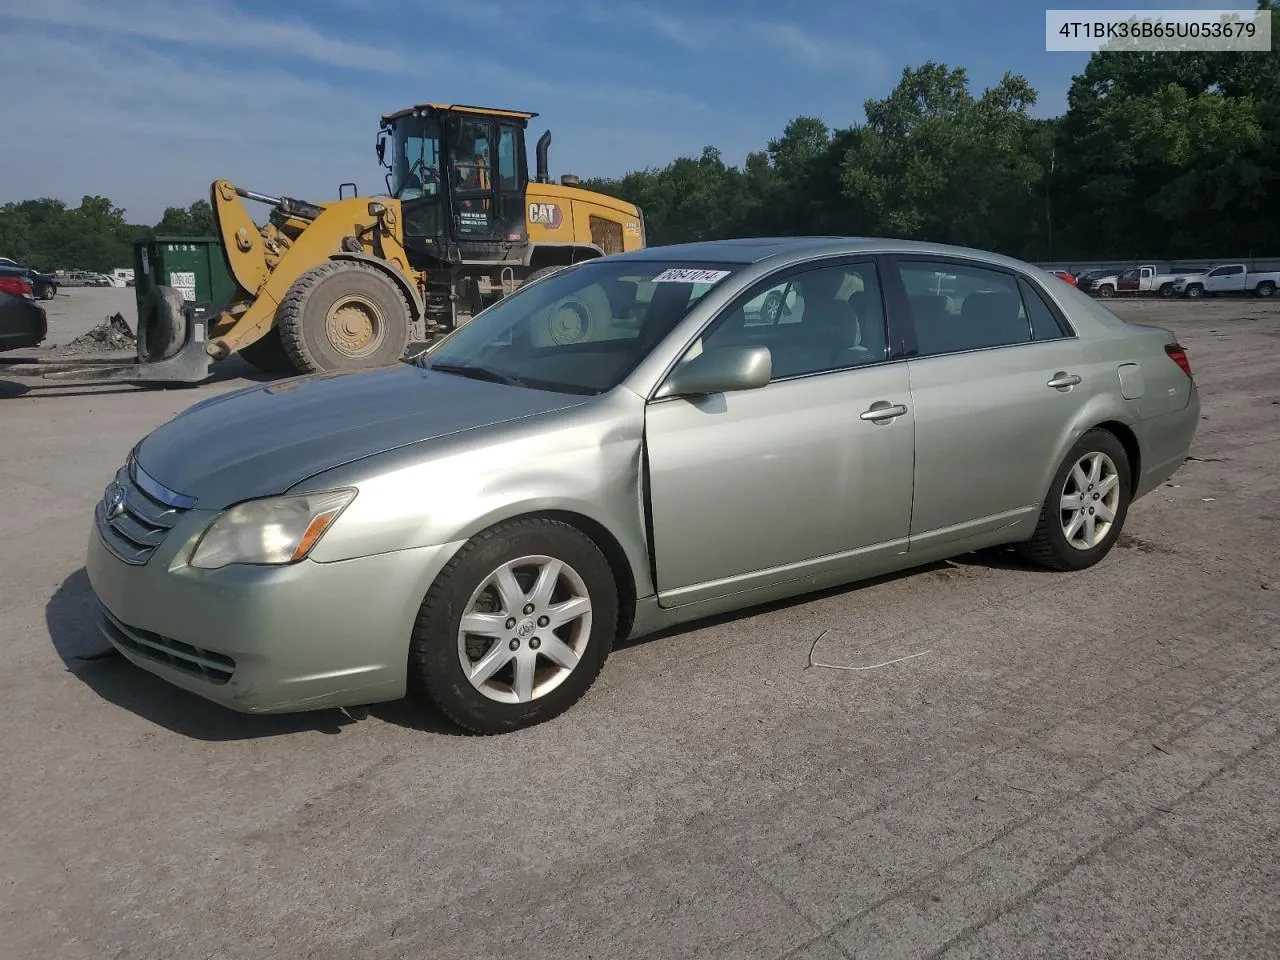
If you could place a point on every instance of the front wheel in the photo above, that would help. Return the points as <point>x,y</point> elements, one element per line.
<point>1195,291</point>
<point>1086,505</point>
<point>343,315</point>
<point>1106,291</point>
<point>516,628</point>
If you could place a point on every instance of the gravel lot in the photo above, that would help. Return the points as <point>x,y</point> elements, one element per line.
<point>1082,765</point>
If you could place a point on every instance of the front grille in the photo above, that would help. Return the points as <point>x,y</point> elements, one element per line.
<point>214,667</point>
<point>136,513</point>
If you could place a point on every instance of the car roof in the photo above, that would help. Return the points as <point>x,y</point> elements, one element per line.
<point>748,250</point>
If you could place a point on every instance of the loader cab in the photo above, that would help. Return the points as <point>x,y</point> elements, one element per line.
<point>460,174</point>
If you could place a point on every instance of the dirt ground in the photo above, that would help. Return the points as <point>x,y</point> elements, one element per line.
<point>1080,765</point>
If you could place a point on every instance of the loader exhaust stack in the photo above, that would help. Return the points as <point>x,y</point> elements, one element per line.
<point>544,143</point>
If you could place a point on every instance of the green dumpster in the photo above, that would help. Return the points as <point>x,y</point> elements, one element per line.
<point>194,266</point>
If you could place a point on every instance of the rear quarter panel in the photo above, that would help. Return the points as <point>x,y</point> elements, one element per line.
<point>1158,416</point>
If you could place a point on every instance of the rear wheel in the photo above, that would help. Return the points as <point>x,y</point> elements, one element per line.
<point>516,628</point>
<point>1167,290</point>
<point>1265,289</point>
<point>1086,506</point>
<point>343,315</point>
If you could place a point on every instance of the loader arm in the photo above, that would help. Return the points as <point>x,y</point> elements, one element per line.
<point>266,261</point>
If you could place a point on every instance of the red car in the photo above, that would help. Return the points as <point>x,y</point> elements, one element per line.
<point>1067,277</point>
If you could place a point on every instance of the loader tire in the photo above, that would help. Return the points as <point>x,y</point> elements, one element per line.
<point>343,315</point>
<point>268,355</point>
<point>162,327</point>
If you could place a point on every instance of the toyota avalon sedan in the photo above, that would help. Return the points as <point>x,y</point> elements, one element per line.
<point>619,447</point>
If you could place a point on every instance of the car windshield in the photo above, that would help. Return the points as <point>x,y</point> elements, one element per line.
<point>579,331</point>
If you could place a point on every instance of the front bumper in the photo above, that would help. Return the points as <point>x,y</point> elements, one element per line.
<point>266,639</point>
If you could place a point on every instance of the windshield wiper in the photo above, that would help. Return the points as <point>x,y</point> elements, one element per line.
<point>477,373</point>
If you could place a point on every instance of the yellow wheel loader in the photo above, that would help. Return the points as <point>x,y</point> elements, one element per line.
<point>351,283</point>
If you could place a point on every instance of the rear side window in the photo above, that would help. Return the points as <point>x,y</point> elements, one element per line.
<point>958,307</point>
<point>1044,324</point>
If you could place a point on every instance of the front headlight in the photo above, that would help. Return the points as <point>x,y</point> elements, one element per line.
<point>274,531</point>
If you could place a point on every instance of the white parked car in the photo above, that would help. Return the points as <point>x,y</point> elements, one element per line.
<point>1229,278</point>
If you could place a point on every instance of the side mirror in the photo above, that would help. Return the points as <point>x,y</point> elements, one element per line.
<point>382,149</point>
<point>720,370</point>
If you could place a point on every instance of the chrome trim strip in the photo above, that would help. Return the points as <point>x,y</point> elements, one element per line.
<point>157,490</point>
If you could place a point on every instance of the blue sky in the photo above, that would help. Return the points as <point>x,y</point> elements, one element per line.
<point>147,101</point>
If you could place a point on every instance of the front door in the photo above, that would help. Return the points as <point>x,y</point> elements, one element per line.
<point>998,379</point>
<point>476,217</point>
<point>801,477</point>
<point>1225,279</point>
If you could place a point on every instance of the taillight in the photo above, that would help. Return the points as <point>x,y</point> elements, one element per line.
<point>1179,356</point>
<point>15,287</point>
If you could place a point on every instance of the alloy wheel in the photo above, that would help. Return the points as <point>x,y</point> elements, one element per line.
<point>524,629</point>
<point>1090,500</point>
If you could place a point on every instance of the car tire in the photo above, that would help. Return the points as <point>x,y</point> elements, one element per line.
<point>343,315</point>
<point>1167,290</point>
<point>1265,290</point>
<point>1066,537</point>
<point>527,549</point>
<point>1106,291</point>
<point>1195,291</point>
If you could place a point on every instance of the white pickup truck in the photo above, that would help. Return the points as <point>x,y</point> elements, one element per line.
<point>1229,278</point>
<point>1143,279</point>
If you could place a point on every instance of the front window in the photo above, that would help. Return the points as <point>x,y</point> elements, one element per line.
<point>415,167</point>
<point>580,331</point>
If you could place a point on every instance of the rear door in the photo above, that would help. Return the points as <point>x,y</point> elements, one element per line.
<point>997,377</point>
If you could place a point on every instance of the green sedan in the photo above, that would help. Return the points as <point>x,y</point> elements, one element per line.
<point>620,447</point>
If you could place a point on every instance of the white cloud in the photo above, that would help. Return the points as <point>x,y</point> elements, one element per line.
<point>121,105</point>
<point>209,24</point>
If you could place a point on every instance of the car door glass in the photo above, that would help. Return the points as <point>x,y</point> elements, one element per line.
<point>957,307</point>
<point>1044,324</point>
<point>821,320</point>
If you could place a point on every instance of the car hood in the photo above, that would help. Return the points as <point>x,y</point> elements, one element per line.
<point>260,441</point>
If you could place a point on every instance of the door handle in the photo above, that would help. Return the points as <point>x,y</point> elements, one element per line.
<point>883,411</point>
<point>1063,379</point>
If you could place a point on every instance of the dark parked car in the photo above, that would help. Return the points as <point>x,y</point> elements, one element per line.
<point>44,286</point>
<point>22,322</point>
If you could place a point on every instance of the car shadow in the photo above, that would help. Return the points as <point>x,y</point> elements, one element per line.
<point>994,558</point>
<point>233,368</point>
<point>71,618</point>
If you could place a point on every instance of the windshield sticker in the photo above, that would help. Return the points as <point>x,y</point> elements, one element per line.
<point>690,276</point>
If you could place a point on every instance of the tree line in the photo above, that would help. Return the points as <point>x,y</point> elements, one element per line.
<point>1159,154</point>
<point>1166,155</point>
<point>47,234</point>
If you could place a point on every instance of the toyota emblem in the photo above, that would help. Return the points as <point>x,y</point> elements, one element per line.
<point>114,499</point>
